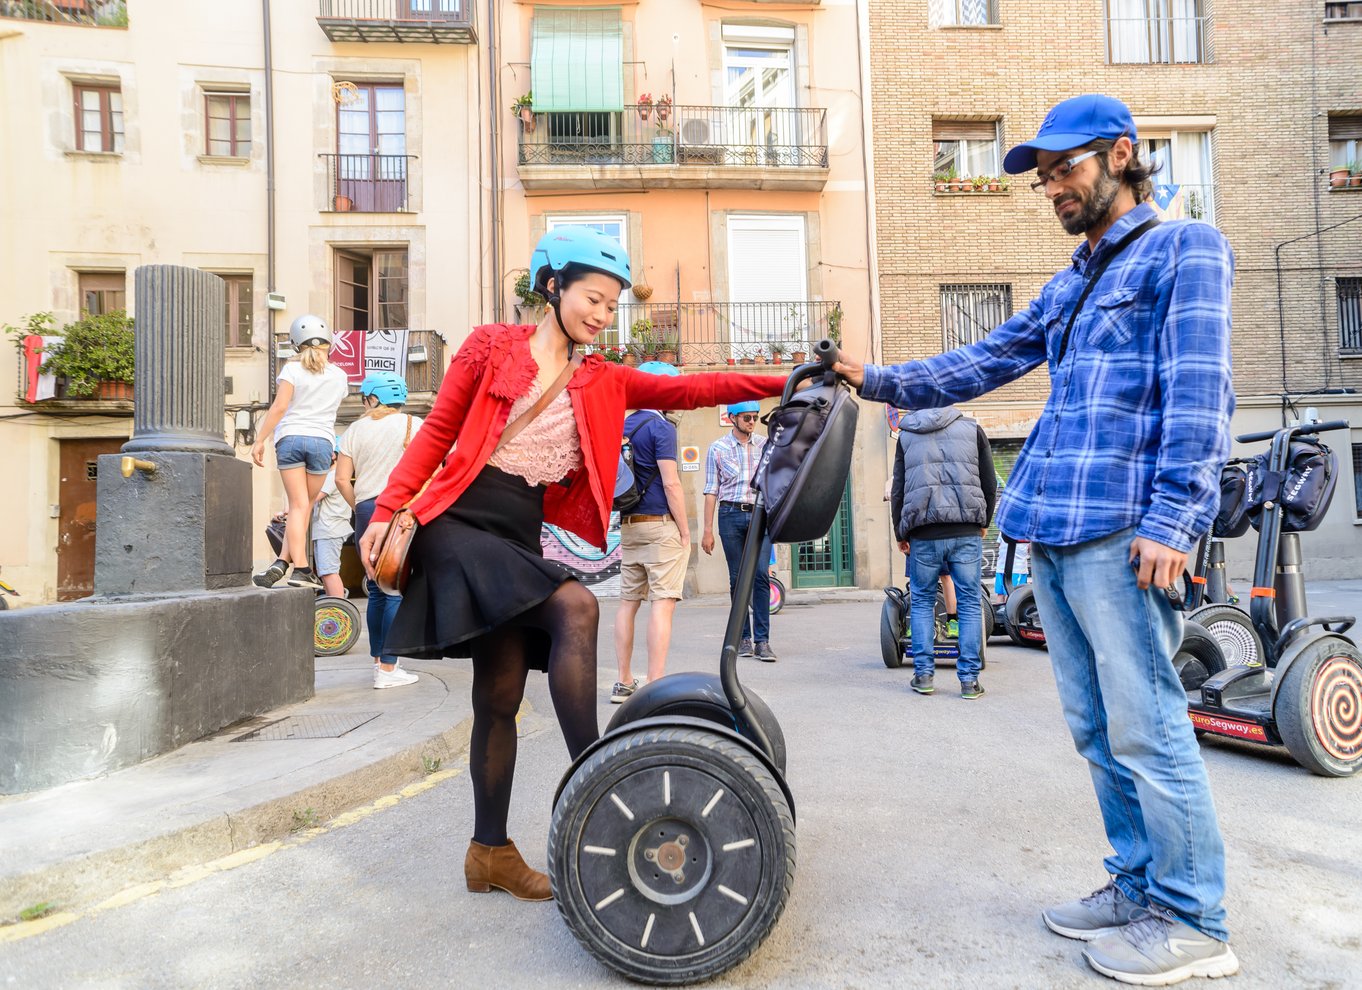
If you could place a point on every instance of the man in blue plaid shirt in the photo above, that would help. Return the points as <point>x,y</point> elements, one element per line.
<point>1116,482</point>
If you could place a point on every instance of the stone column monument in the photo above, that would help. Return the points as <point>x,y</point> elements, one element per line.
<point>176,642</point>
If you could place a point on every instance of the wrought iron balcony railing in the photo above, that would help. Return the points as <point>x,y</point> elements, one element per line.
<point>1158,40</point>
<point>92,13</point>
<point>720,333</point>
<point>430,21</point>
<point>367,183</point>
<point>683,135</point>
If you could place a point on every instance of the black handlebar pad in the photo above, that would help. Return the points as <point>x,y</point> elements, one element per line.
<point>1296,431</point>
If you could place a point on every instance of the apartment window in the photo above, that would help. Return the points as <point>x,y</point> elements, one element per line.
<point>1357,478</point>
<point>1343,11</point>
<point>1349,313</point>
<point>371,290</point>
<point>969,313</point>
<point>1345,142</point>
<point>963,12</point>
<point>238,314</point>
<point>227,124</point>
<point>965,147</point>
<point>99,118</point>
<point>615,226</point>
<point>1182,173</point>
<point>1157,31</point>
<point>102,292</point>
<point>371,150</point>
<point>577,59</point>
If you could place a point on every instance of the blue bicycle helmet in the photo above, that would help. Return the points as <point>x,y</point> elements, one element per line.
<point>582,246</point>
<point>659,368</point>
<point>750,406</point>
<point>388,387</point>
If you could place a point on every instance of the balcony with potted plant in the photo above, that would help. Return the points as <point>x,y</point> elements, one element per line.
<point>654,143</point>
<point>432,22</point>
<point>92,363</point>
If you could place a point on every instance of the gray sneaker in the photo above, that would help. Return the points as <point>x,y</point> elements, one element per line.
<point>745,648</point>
<point>1158,950</point>
<point>1100,913</point>
<point>622,692</point>
<point>922,683</point>
<point>765,653</point>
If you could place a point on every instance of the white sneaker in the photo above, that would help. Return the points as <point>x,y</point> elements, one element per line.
<point>397,677</point>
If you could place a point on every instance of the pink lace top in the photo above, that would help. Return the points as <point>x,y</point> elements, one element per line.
<point>548,449</point>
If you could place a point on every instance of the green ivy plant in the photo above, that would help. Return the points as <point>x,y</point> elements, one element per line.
<point>524,288</point>
<point>93,349</point>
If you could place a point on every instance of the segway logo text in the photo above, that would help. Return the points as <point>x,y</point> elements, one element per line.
<point>1296,488</point>
<point>1228,727</point>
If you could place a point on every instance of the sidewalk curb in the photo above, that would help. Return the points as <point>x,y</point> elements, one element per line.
<point>85,881</point>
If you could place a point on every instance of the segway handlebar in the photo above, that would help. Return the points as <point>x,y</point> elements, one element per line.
<point>825,355</point>
<point>1296,431</point>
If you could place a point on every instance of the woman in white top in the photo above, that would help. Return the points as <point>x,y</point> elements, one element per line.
<point>369,450</point>
<point>303,421</point>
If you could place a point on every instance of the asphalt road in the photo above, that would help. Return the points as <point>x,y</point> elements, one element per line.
<point>930,833</point>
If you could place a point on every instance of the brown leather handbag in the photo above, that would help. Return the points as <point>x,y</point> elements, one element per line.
<point>392,566</point>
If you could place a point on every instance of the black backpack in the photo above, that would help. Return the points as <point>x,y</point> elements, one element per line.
<point>806,461</point>
<point>628,489</point>
<point>1232,519</point>
<point>1304,489</point>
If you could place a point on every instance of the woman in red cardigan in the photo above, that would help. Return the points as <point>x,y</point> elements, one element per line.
<point>480,586</point>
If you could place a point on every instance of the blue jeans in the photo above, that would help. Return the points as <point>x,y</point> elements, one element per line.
<point>962,556</point>
<point>733,526</point>
<point>1111,646</point>
<point>382,607</point>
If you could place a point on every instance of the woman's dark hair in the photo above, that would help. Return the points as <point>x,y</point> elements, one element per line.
<point>1138,173</point>
<point>571,272</point>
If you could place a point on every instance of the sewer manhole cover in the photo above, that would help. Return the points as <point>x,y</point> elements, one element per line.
<point>308,727</point>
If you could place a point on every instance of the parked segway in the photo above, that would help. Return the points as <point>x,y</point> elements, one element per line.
<point>1021,616</point>
<point>335,621</point>
<point>1307,692</point>
<point>1209,602</point>
<point>896,632</point>
<point>671,849</point>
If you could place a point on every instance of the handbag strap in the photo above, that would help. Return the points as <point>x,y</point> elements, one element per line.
<point>550,393</point>
<point>1120,246</point>
<point>407,439</point>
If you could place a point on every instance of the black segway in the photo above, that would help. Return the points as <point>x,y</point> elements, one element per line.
<point>1209,602</point>
<point>896,632</point>
<point>1021,616</point>
<point>335,621</point>
<point>1307,692</point>
<point>671,849</point>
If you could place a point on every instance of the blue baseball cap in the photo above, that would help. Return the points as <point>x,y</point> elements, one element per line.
<point>1072,124</point>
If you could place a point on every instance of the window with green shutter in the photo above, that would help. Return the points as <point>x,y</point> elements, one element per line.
<point>577,59</point>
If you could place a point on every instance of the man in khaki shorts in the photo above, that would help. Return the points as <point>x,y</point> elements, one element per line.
<point>654,542</point>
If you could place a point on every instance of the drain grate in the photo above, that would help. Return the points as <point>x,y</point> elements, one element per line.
<point>308,727</point>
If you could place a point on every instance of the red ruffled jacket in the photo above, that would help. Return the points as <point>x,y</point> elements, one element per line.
<point>492,369</point>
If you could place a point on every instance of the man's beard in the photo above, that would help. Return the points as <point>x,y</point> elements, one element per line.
<point>1094,210</point>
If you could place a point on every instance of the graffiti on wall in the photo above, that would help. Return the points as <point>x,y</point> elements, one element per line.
<point>598,571</point>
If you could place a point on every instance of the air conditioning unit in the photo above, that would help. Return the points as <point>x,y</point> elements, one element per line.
<point>695,132</point>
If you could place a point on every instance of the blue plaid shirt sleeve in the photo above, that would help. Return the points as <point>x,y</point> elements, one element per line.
<point>712,470</point>
<point>1014,348</point>
<point>1196,380</point>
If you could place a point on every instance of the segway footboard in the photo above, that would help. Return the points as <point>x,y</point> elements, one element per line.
<point>672,850</point>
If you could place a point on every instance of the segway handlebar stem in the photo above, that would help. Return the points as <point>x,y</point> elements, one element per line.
<point>1303,429</point>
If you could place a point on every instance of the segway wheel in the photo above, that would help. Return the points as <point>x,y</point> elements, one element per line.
<point>1197,658</point>
<point>1023,619</point>
<point>987,605</point>
<point>893,628</point>
<point>671,854</point>
<point>335,627</point>
<point>1239,641</point>
<point>777,594</point>
<point>1318,707</point>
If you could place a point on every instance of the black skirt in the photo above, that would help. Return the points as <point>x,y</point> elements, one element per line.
<point>474,568</point>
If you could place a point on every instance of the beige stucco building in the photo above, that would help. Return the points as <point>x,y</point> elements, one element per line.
<point>367,168</point>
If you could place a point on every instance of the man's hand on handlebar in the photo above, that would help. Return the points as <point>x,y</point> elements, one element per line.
<point>852,371</point>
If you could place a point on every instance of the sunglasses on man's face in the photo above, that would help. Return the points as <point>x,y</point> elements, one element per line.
<point>747,417</point>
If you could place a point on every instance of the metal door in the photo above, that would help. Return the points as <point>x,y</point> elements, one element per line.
<point>827,562</point>
<point>76,520</point>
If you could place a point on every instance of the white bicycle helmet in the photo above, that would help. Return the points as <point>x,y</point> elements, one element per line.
<point>309,329</point>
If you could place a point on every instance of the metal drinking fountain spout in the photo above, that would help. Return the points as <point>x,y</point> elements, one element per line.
<point>130,464</point>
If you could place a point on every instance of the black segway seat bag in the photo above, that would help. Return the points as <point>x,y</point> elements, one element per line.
<point>807,460</point>
<point>1232,519</point>
<point>1304,489</point>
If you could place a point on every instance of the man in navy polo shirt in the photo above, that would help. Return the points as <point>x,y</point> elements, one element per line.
<point>654,543</point>
<point>1116,482</point>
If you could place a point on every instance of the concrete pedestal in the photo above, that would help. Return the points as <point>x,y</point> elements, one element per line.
<point>100,684</point>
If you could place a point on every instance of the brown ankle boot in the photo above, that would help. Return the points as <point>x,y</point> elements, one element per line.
<point>486,867</point>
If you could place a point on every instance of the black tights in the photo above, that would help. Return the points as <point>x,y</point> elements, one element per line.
<point>569,617</point>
